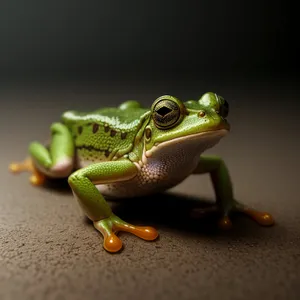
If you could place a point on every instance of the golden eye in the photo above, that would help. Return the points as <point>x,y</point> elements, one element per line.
<point>166,114</point>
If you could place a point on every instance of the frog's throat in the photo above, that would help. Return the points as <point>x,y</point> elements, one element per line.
<point>197,143</point>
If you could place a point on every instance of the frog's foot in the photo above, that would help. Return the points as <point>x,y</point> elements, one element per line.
<point>24,166</point>
<point>37,178</point>
<point>110,226</point>
<point>262,218</point>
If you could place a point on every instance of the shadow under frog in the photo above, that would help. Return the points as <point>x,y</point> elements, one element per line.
<point>187,215</point>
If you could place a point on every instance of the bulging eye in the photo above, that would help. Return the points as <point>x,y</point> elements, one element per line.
<point>166,113</point>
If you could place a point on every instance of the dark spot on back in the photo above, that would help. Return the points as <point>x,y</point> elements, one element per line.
<point>123,135</point>
<point>95,128</point>
<point>113,132</point>
<point>107,153</point>
<point>106,128</point>
<point>79,129</point>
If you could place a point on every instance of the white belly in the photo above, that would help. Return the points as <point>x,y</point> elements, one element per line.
<point>163,167</point>
<point>153,177</point>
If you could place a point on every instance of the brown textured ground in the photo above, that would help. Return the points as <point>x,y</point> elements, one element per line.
<point>49,251</point>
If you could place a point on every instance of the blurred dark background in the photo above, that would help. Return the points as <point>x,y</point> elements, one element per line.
<point>62,55</point>
<point>53,40</point>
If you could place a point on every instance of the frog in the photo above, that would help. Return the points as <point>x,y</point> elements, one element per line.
<point>136,151</point>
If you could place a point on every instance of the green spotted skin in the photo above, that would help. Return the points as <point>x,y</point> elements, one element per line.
<point>106,134</point>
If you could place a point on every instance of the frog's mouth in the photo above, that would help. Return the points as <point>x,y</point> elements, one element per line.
<point>192,145</point>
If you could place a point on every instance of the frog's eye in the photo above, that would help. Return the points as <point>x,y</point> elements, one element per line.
<point>166,113</point>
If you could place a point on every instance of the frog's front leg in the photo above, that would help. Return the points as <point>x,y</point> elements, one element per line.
<point>96,208</point>
<point>57,161</point>
<point>221,181</point>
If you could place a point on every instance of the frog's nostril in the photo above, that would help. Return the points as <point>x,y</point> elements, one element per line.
<point>201,113</point>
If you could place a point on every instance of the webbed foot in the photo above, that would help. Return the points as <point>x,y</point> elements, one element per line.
<point>110,226</point>
<point>262,218</point>
<point>36,178</point>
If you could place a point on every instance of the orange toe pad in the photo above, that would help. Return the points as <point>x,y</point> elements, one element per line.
<point>112,243</point>
<point>37,179</point>
<point>261,218</point>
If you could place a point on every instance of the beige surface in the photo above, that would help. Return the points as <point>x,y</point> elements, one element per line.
<point>48,250</point>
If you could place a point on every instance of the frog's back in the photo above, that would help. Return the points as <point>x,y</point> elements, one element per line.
<point>104,134</point>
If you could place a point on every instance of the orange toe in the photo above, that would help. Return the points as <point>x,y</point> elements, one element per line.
<point>112,243</point>
<point>261,218</point>
<point>14,168</point>
<point>144,232</point>
<point>37,179</point>
<point>26,165</point>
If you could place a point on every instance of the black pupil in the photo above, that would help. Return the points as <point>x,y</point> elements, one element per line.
<point>164,111</point>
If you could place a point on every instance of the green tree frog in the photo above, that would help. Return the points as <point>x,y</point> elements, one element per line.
<point>130,151</point>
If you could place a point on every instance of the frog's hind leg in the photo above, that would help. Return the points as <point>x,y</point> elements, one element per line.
<point>226,203</point>
<point>55,162</point>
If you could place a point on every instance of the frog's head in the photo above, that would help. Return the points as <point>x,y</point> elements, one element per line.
<point>194,125</point>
